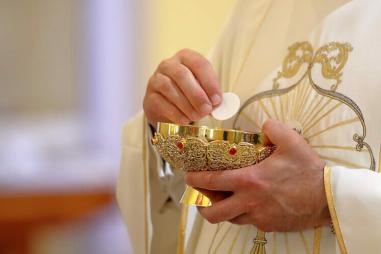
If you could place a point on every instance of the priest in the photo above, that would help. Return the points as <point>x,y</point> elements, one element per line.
<point>306,65</point>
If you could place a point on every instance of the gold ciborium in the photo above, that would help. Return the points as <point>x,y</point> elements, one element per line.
<point>200,148</point>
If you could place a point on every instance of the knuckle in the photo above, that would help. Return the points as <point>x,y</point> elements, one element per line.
<point>164,86</point>
<point>185,52</point>
<point>151,80</point>
<point>165,64</point>
<point>249,181</point>
<point>200,63</point>
<point>155,99</point>
<point>149,107</point>
<point>180,73</point>
<point>148,101</point>
<point>172,113</point>
<point>199,97</point>
<point>210,181</point>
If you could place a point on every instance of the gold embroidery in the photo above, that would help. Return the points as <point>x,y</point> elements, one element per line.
<point>317,239</point>
<point>309,126</point>
<point>282,109</point>
<point>274,108</point>
<point>348,148</point>
<point>305,102</point>
<point>251,120</point>
<point>342,162</point>
<point>286,243</point>
<point>259,243</point>
<point>305,243</point>
<point>317,110</point>
<point>333,58</point>
<point>349,121</point>
<point>265,109</point>
<point>299,54</point>
<point>332,209</point>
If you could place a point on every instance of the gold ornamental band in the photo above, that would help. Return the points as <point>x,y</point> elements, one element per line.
<point>211,134</point>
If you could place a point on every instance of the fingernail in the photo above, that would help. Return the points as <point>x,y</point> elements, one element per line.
<point>216,99</point>
<point>205,109</point>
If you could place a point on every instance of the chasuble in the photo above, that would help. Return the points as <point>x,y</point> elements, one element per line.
<point>313,64</point>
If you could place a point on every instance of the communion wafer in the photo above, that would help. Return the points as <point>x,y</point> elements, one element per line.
<point>228,108</point>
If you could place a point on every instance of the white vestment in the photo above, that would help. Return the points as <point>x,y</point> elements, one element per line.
<point>336,105</point>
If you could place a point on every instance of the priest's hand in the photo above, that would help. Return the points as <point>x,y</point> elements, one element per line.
<point>183,88</point>
<point>285,192</point>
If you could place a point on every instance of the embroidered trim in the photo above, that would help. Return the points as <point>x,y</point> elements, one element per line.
<point>332,209</point>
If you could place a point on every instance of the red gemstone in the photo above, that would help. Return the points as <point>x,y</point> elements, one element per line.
<point>180,145</point>
<point>233,151</point>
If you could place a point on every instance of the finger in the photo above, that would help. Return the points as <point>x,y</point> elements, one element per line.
<point>278,133</point>
<point>167,88</point>
<point>161,110</point>
<point>203,70</point>
<point>223,210</point>
<point>188,84</point>
<point>212,180</point>
<point>243,219</point>
<point>215,196</point>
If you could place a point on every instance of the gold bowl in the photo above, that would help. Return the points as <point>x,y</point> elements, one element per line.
<point>193,148</point>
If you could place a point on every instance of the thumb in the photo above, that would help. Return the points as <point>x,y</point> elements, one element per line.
<point>278,133</point>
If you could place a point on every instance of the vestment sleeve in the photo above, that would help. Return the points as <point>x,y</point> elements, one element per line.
<point>132,187</point>
<point>354,198</point>
<point>144,190</point>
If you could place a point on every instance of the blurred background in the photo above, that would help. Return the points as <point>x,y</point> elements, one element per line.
<point>71,72</point>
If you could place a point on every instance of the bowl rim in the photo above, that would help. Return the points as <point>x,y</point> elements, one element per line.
<point>211,134</point>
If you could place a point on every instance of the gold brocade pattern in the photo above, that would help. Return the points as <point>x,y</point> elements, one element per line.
<point>197,155</point>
